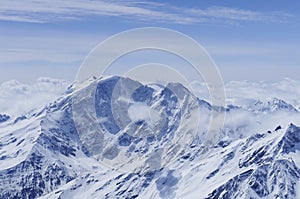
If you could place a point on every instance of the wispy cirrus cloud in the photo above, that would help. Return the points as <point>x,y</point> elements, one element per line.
<point>39,11</point>
<point>236,14</point>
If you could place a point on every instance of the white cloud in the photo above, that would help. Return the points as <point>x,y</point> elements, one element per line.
<point>238,14</point>
<point>246,121</point>
<point>242,123</point>
<point>287,89</point>
<point>244,93</point>
<point>39,11</point>
<point>17,98</point>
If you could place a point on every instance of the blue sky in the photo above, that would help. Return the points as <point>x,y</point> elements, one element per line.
<point>248,40</point>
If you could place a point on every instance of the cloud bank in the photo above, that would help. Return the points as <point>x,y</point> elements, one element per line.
<point>17,98</point>
<point>244,93</point>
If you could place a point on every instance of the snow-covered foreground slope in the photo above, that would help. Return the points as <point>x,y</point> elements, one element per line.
<point>256,167</point>
<point>44,156</point>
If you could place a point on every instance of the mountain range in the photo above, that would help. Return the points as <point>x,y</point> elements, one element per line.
<point>101,145</point>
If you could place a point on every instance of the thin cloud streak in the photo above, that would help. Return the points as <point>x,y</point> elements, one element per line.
<point>238,14</point>
<point>39,11</point>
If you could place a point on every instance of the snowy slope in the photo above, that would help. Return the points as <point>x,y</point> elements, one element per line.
<point>257,167</point>
<point>44,155</point>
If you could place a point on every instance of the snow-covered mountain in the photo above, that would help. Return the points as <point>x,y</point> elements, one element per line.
<point>271,106</point>
<point>45,154</point>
